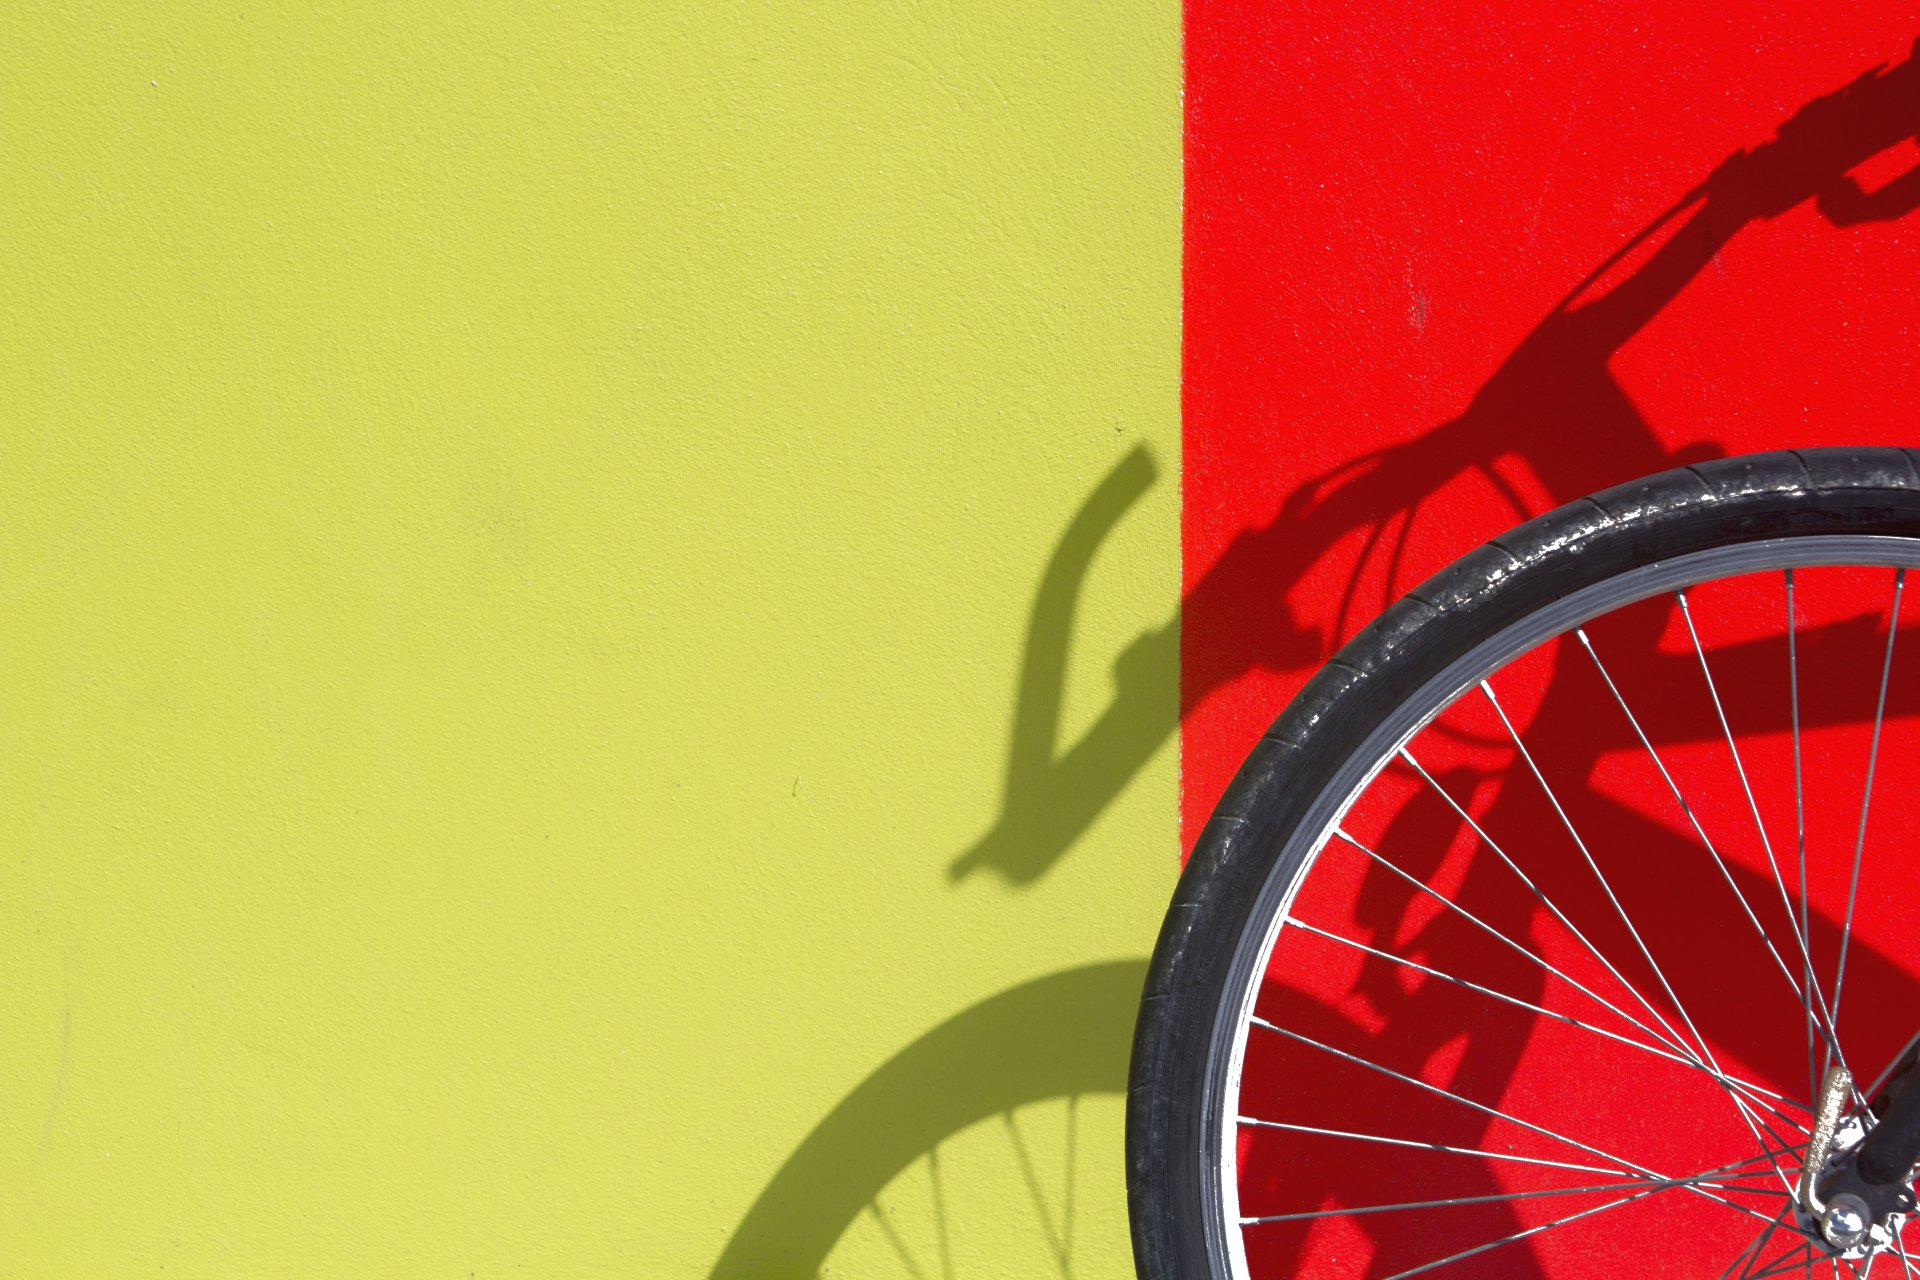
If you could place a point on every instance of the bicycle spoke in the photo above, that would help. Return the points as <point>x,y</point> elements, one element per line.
<point>1486,1110</point>
<point>1866,794</point>
<point>1755,1125</point>
<point>1807,1256</point>
<point>1900,1251</point>
<point>1751,1254</point>
<point>1692,1064</point>
<point>1800,831</point>
<point>1446,1204</point>
<point>1705,1051</point>
<point>1489,929</point>
<point>1717,860</point>
<point>1808,992</point>
<point>1746,1114</point>
<point>1687,810</point>
<point>1672,1037</point>
<point>1429,1146</point>
<point>1722,1174</point>
<point>1803,1256</point>
<point>1587,854</point>
<point>1664,1185</point>
<point>1522,1235</point>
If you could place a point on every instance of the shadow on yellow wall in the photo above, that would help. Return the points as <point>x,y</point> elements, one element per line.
<point>1053,1040</point>
<point>1060,1037</point>
<point>1053,796</point>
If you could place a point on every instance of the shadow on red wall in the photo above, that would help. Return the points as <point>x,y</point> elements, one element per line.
<point>1553,406</point>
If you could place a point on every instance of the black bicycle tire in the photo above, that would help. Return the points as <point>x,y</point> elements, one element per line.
<point>1715,504</point>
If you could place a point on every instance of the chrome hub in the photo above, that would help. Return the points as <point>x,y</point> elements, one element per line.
<point>1846,1222</point>
<point>1853,1216</point>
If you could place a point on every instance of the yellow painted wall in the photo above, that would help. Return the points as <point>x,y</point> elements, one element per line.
<point>519,530</point>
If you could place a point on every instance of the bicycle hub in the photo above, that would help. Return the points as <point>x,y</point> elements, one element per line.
<point>1856,1185</point>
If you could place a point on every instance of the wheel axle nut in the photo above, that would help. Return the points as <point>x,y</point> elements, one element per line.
<point>1845,1222</point>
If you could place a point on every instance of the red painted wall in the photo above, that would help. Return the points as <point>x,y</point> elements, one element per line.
<point>1388,206</point>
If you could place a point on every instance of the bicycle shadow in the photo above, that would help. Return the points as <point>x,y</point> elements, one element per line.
<point>1061,1036</point>
<point>1552,407</point>
<point>1052,796</point>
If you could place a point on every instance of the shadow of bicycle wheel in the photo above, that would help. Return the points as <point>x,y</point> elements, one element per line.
<point>1061,1036</point>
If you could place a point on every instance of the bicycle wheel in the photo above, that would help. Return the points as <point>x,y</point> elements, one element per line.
<point>1519,942</point>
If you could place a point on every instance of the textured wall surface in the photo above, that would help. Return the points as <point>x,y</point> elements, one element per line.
<point>1437,281</point>
<point>588,634</point>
